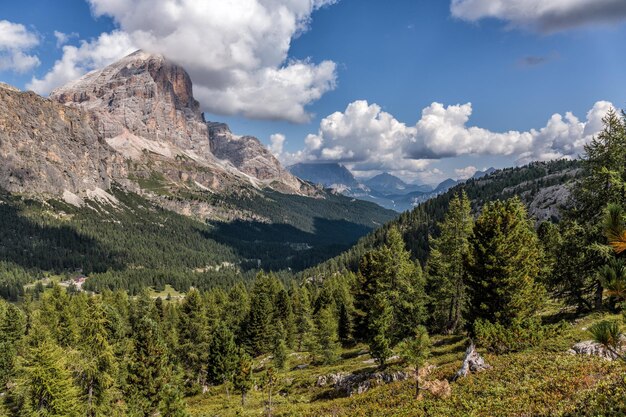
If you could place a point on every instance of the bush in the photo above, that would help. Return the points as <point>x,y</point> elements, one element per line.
<point>520,335</point>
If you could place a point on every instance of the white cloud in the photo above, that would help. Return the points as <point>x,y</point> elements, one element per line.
<point>367,139</point>
<point>63,38</point>
<point>465,173</point>
<point>235,51</point>
<point>15,42</point>
<point>542,15</point>
<point>77,60</point>
<point>277,142</point>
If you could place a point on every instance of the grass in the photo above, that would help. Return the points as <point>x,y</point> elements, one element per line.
<point>167,291</point>
<point>542,381</point>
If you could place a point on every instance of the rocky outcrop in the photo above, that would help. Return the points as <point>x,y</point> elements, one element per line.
<point>143,106</point>
<point>591,348</point>
<point>248,155</point>
<point>47,148</point>
<point>349,384</point>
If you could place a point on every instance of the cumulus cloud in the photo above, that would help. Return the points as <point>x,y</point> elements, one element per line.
<point>63,38</point>
<point>277,142</point>
<point>235,51</point>
<point>15,43</point>
<point>77,60</point>
<point>542,15</point>
<point>465,173</point>
<point>366,138</point>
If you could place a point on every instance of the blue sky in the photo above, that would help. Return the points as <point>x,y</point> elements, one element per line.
<point>378,63</point>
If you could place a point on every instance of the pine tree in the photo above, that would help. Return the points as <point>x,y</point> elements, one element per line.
<point>193,337</point>
<point>97,367</point>
<point>222,357</point>
<point>390,301</point>
<point>446,265</point>
<point>148,359</point>
<point>279,347</point>
<point>243,375</point>
<point>327,337</point>
<point>503,263</point>
<point>12,329</point>
<point>45,381</point>
<point>414,351</point>
<point>379,329</point>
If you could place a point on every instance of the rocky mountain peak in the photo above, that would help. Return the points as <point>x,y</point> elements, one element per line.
<point>145,110</point>
<point>144,95</point>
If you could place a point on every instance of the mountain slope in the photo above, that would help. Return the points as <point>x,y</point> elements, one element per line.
<point>542,186</point>
<point>388,184</point>
<point>135,129</point>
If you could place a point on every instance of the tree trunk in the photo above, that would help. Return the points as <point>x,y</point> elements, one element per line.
<point>598,297</point>
<point>417,382</point>
<point>473,362</point>
<point>243,398</point>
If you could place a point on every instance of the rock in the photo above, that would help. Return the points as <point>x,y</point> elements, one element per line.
<point>591,348</point>
<point>439,388</point>
<point>472,363</point>
<point>350,384</point>
<point>144,107</point>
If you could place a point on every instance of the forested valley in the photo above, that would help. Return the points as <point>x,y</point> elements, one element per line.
<point>468,268</point>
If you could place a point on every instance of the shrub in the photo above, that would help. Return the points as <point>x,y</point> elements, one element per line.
<point>520,335</point>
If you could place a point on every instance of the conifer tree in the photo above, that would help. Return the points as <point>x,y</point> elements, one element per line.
<point>12,329</point>
<point>243,375</point>
<point>193,337</point>
<point>414,351</point>
<point>97,367</point>
<point>503,263</point>
<point>446,265</point>
<point>222,358</point>
<point>327,337</point>
<point>148,359</point>
<point>45,381</point>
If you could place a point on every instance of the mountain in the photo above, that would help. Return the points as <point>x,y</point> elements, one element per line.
<point>480,174</point>
<point>388,184</point>
<point>542,186</point>
<point>133,131</point>
<point>329,175</point>
<point>445,185</point>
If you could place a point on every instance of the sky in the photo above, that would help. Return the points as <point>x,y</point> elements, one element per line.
<point>424,89</point>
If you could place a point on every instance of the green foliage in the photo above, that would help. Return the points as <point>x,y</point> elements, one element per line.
<point>446,269</point>
<point>607,333</point>
<point>222,355</point>
<point>414,351</point>
<point>243,375</point>
<point>327,336</point>
<point>519,335</point>
<point>503,263</point>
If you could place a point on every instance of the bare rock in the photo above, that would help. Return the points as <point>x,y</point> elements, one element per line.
<point>591,348</point>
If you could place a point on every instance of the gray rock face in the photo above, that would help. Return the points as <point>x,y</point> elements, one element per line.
<point>47,148</point>
<point>248,155</point>
<point>144,107</point>
<point>591,348</point>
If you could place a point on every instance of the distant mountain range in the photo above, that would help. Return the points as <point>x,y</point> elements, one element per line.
<point>384,189</point>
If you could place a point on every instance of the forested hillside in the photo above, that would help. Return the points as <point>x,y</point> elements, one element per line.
<point>131,243</point>
<point>381,330</point>
<point>533,183</point>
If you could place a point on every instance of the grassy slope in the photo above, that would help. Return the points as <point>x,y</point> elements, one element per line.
<point>543,381</point>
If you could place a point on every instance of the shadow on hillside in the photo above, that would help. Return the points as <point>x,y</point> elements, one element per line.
<point>277,246</point>
<point>49,247</point>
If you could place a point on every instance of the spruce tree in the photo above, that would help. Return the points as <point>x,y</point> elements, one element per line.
<point>45,381</point>
<point>193,337</point>
<point>222,357</point>
<point>414,351</point>
<point>503,263</point>
<point>97,366</point>
<point>446,272</point>
<point>327,336</point>
<point>243,375</point>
